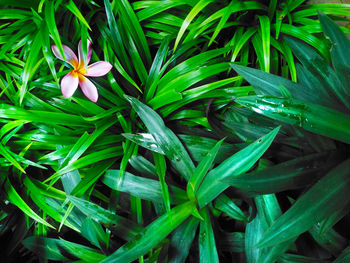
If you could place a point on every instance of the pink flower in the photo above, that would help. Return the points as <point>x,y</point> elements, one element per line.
<point>80,71</point>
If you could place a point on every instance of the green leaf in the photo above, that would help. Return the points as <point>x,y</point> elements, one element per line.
<point>340,49</point>
<point>92,158</point>
<point>182,239</point>
<point>292,258</point>
<point>160,165</point>
<point>227,13</point>
<point>150,9</point>
<point>201,171</point>
<point>41,201</point>
<point>117,42</point>
<point>205,91</point>
<point>46,48</point>
<point>165,138</point>
<point>320,69</point>
<point>9,157</point>
<point>12,112</point>
<point>269,84</point>
<point>254,231</point>
<point>198,147</point>
<point>311,117</point>
<point>343,257</point>
<point>225,204</point>
<point>288,56</point>
<point>93,175</point>
<point>85,141</point>
<point>12,13</point>
<point>145,140</point>
<point>51,25</point>
<point>313,83</point>
<point>100,214</point>
<point>293,174</point>
<point>232,242</point>
<point>272,8</point>
<point>142,165</point>
<point>46,247</point>
<point>49,191</point>
<point>268,211</point>
<point>330,221</point>
<point>52,249</point>
<point>324,198</point>
<point>302,34</point>
<point>340,52</point>
<point>206,240</point>
<point>265,35</point>
<point>191,15</point>
<point>16,199</point>
<point>146,240</point>
<point>237,164</point>
<point>133,26</point>
<point>72,178</point>
<point>154,72</point>
<point>85,253</point>
<point>189,65</point>
<point>76,12</point>
<point>239,40</point>
<point>31,64</point>
<point>330,240</point>
<point>94,232</point>
<point>141,187</point>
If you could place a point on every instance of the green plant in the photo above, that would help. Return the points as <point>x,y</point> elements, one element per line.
<point>144,173</point>
<point>250,28</point>
<point>317,111</point>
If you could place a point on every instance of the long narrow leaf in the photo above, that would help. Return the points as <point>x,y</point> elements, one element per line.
<point>310,116</point>
<point>237,164</point>
<point>324,198</point>
<point>165,138</point>
<point>147,239</point>
<point>16,199</point>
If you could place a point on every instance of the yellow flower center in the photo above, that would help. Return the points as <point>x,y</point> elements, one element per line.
<point>79,70</point>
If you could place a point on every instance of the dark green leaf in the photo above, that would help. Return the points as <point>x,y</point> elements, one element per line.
<point>323,198</point>
<point>206,240</point>
<point>141,187</point>
<point>165,138</point>
<point>182,239</point>
<point>146,239</point>
<point>237,164</point>
<point>292,174</point>
<point>310,116</point>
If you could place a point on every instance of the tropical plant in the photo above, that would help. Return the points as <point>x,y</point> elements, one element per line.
<point>145,172</point>
<point>317,109</point>
<point>250,28</point>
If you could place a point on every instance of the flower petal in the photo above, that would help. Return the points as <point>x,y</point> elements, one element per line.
<point>69,84</point>
<point>98,69</point>
<point>88,88</point>
<point>80,53</point>
<point>69,55</point>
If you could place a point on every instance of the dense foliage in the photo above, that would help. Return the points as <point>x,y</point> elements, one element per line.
<point>221,133</point>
